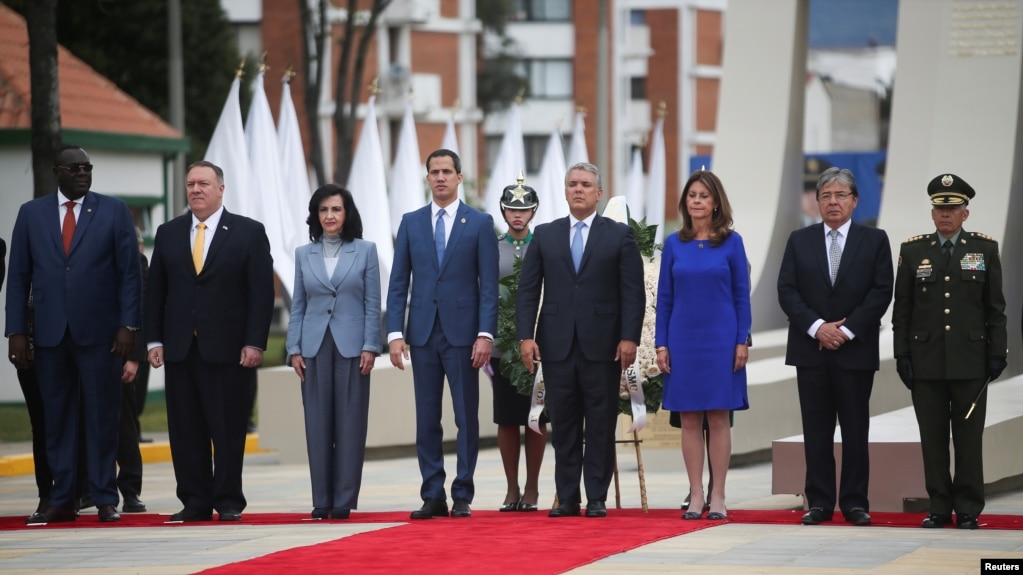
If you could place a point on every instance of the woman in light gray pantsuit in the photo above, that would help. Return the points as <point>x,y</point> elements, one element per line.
<point>333,341</point>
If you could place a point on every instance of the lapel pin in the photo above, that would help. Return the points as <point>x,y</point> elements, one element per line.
<point>225,227</point>
<point>88,210</point>
<point>463,220</point>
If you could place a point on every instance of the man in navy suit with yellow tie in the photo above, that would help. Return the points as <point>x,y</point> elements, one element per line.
<point>449,252</point>
<point>76,251</point>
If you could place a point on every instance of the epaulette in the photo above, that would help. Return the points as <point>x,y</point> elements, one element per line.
<point>983,237</point>
<point>502,236</point>
<point>916,238</point>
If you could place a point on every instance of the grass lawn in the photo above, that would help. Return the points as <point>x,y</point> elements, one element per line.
<point>14,424</point>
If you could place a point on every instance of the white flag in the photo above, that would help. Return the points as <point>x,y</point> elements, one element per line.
<point>451,143</point>
<point>577,147</point>
<point>657,181</point>
<point>511,158</point>
<point>294,174</point>
<point>368,183</point>
<point>634,195</point>
<point>408,191</point>
<point>265,159</point>
<point>228,150</point>
<point>550,182</point>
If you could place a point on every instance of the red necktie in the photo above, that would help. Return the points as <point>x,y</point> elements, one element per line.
<point>67,232</point>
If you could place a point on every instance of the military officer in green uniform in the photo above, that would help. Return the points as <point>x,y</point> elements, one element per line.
<point>511,408</point>
<point>950,337</point>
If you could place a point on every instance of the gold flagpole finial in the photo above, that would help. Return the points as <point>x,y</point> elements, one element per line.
<point>662,109</point>
<point>263,66</point>
<point>374,87</point>
<point>520,95</point>
<point>580,108</point>
<point>289,73</point>
<point>411,94</point>
<point>241,68</point>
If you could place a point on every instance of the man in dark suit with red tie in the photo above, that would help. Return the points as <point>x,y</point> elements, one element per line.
<point>208,308</point>
<point>590,272</point>
<point>75,251</point>
<point>835,284</point>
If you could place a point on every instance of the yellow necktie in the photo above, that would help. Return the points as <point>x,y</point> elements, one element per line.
<point>197,248</point>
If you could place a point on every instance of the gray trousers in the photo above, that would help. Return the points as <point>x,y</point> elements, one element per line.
<point>335,398</point>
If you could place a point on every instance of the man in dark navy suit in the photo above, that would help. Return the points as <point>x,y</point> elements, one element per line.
<point>209,303</point>
<point>590,272</point>
<point>834,285</point>
<point>75,250</point>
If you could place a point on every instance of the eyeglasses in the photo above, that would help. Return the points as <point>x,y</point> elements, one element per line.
<point>840,196</point>
<point>75,168</point>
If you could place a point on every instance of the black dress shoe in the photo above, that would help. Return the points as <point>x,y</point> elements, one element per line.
<point>108,514</point>
<point>964,521</point>
<point>857,516</point>
<point>230,516</point>
<point>340,513</point>
<point>461,508</point>
<point>320,513</point>
<point>565,510</point>
<point>513,506</point>
<point>188,515</point>
<point>815,516</point>
<point>431,508</point>
<point>133,504</point>
<point>936,521</point>
<point>596,509</point>
<point>51,515</point>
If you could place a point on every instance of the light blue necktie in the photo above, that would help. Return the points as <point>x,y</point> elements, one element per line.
<point>577,245</point>
<point>438,236</point>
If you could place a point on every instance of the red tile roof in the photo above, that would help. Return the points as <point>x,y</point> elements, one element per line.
<point>88,101</point>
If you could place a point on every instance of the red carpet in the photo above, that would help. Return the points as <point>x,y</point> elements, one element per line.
<point>493,542</point>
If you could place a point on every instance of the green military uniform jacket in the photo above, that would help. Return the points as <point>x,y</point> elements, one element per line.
<point>949,317</point>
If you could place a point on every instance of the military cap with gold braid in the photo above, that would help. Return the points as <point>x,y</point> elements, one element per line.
<point>950,190</point>
<point>519,196</point>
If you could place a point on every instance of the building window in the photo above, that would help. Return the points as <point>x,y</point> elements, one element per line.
<point>547,78</point>
<point>637,88</point>
<point>542,10</point>
<point>637,17</point>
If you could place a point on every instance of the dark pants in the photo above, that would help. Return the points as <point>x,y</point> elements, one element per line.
<point>34,403</point>
<point>129,458</point>
<point>941,405</point>
<point>430,364</point>
<point>77,381</point>
<point>824,393</point>
<point>207,411</point>
<point>141,388</point>
<point>582,397</point>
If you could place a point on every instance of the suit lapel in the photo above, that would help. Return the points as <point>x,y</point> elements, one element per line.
<point>457,229</point>
<point>314,257</point>
<point>55,230</point>
<point>821,255</point>
<point>88,211</point>
<point>563,243</point>
<point>596,233</point>
<point>219,239</point>
<point>425,224</point>
<point>344,265</point>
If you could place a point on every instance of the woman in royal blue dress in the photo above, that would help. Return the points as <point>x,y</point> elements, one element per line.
<point>703,319</point>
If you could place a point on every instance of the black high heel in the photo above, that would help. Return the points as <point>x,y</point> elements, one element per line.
<point>523,506</point>
<point>513,506</point>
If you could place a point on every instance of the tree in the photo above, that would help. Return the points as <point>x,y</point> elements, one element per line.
<point>126,41</point>
<point>359,29</point>
<point>40,18</point>
<point>498,81</point>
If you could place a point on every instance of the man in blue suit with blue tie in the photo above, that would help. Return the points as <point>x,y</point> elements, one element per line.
<point>449,252</point>
<point>76,251</point>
